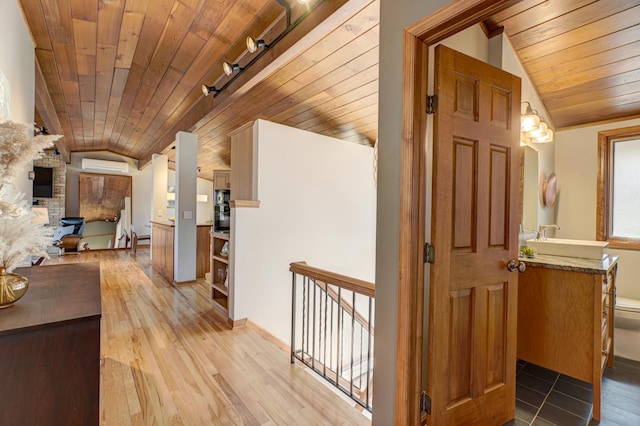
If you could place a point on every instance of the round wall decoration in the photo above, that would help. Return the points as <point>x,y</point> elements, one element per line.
<point>549,189</point>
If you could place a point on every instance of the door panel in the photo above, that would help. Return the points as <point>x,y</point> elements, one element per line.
<point>464,195</point>
<point>499,193</point>
<point>473,298</point>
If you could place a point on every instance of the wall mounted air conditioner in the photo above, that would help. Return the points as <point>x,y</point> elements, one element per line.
<point>104,166</point>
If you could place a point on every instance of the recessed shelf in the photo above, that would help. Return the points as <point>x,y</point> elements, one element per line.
<point>221,288</point>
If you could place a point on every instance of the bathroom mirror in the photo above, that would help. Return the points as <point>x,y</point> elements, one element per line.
<point>529,190</point>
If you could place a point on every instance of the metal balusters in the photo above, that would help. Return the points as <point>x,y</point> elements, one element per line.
<point>341,355</point>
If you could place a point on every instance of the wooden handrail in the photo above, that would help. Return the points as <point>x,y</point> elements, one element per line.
<point>353,284</point>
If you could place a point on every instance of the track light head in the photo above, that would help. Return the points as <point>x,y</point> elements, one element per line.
<point>253,45</point>
<point>207,90</point>
<point>230,68</point>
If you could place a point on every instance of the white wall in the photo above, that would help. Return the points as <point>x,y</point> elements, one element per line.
<point>317,204</point>
<point>577,171</point>
<point>204,211</point>
<point>17,63</point>
<point>546,152</point>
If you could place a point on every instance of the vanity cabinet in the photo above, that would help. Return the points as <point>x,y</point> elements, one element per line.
<point>566,317</point>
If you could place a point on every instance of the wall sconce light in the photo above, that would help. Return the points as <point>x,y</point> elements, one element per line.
<point>230,68</point>
<point>207,90</point>
<point>32,175</point>
<point>253,45</point>
<point>530,120</point>
<point>533,129</point>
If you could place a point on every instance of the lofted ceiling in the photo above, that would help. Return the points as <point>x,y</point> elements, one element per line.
<point>126,75</point>
<point>583,56</point>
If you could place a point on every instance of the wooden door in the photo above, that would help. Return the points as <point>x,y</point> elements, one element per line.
<point>473,298</point>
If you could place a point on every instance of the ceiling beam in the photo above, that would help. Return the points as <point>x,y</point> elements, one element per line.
<point>325,18</point>
<point>46,110</point>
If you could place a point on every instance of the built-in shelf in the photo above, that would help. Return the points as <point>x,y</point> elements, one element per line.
<point>219,292</point>
<point>220,288</point>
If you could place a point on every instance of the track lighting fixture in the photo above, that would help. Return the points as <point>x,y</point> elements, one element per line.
<point>230,68</point>
<point>253,45</point>
<point>207,90</point>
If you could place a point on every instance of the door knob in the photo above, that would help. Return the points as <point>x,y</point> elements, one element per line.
<point>512,265</point>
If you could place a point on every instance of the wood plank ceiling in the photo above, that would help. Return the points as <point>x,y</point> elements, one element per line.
<point>583,56</point>
<point>126,75</point>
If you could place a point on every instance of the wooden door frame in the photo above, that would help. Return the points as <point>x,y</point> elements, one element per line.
<point>442,23</point>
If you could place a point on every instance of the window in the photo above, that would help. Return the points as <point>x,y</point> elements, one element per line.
<point>618,215</point>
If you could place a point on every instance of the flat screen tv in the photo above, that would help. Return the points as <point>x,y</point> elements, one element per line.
<point>43,182</point>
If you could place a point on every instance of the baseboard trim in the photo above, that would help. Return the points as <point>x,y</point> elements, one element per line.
<point>269,337</point>
<point>236,323</point>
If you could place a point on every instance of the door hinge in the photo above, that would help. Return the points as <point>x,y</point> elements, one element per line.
<point>432,104</point>
<point>429,253</point>
<point>425,403</point>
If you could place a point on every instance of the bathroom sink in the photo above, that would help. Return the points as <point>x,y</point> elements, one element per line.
<point>572,248</point>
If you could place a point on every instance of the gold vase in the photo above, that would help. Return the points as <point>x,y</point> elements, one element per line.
<point>12,288</point>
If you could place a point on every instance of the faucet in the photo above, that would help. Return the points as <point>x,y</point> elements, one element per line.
<point>540,235</point>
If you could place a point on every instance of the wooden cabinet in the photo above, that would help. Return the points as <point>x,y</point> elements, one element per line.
<point>50,357</point>
<point>220,272</point>
<point>162,243</point>
<point>203,263</point>
<point>565,321</point>
<point>162,249</point>
<point>244,163</point>
<point>221,179</point>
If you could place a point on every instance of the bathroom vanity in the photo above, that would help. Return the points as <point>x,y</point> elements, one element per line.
<point>566,316</point>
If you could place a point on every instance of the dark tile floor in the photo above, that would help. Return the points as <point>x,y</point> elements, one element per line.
<point>544,397</point>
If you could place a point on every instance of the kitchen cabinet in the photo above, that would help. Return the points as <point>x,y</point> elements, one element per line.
<point>162,249</point>
<point>566,317</point>
<point>162,243</point>
<point>244,154</point>
<point>221,179</point>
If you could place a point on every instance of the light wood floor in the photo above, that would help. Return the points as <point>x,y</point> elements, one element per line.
<point>169,359</point>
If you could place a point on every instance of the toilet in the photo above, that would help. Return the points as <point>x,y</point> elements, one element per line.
<point>627,328</point>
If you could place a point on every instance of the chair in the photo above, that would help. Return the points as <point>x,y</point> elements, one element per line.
<point>68,234</point>
<point>135,238</point>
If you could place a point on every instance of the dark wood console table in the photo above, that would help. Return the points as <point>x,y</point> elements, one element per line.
<point>50,348</point>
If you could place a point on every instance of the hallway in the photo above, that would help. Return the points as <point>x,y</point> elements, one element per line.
<point>169,359</point>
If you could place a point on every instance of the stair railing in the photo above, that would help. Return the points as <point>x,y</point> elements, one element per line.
<point>332,329</point>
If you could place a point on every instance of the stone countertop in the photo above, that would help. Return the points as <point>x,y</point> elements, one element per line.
<point>173,224</point>
<point>220,234</point>
<point>588,266</point>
